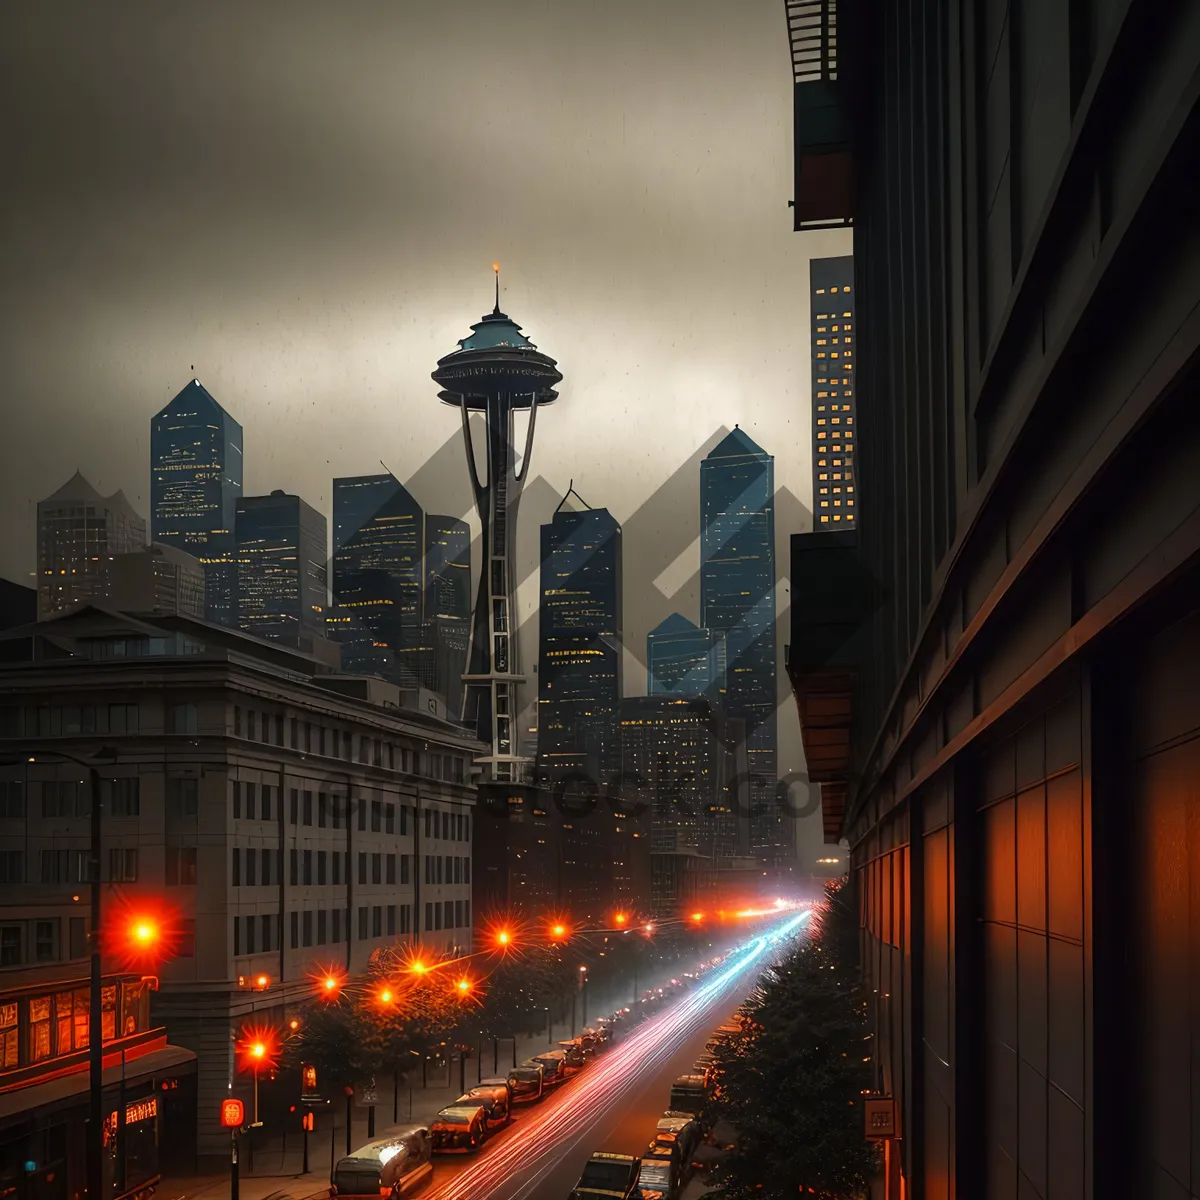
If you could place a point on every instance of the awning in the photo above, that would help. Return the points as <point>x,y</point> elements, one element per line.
<point>68,1089</point>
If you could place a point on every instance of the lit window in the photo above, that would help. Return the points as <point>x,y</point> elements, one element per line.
<point>824,503</point>
<point>822,342</point>
<point>821,291</point>
<point>820,435</point>
<point>824,518</point>
<point>821,420</point>
<point>825,491</point>
<point>833,289</point>
<point>850,489</point>
<point>837,516</point>
<point>849,420</point>
<point>850,503</point>
<point>845,289</point>
<point>835,420</point>
<point>821,354</point>
<point>846,314</point>
<point>821,407</point>
<point>836,475</point>
<point>822,396</point>
<point>836,491</point>
<point>837,462</point>
<point>825,475</point>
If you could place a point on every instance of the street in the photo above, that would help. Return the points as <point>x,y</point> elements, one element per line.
<point>613,1105</point>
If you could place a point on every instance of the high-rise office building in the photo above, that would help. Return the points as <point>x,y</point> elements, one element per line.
<point>157,579</point>
<point>378,540</point>
<point>446,605</point>
<point>737,601</point>
<point>579,652</point>
<point>195,484</point>
<point>682,659</point>
<point>79,532</point>
<point>831,282</point>
<point>280,543</point>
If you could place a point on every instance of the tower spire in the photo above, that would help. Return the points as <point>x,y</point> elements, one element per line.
<point>496,269</point>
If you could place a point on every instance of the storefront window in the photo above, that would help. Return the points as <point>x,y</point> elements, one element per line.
<point>108,1013</point>
<point>39,1028</point>
<point>9,1047</point>
<point>81,1016</point>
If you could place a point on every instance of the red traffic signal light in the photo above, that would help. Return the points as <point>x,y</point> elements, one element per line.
<point>309,1123</point>
<point>233,1113</point>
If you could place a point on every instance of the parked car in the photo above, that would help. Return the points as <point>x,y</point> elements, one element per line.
<point>574,1056</point>
<point>392,1167</point>
<point>526,1083</point>
<point>657,1180</point>
<point>552,1063</point>
<point>494,1100</point>
<point>461,1128</point>
<point>689,1094</point>
<point>683,1131</point>
<point>608,1175</point>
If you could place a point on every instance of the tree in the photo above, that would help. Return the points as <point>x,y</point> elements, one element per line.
<point>791,1084</point>
<point>520,989</point>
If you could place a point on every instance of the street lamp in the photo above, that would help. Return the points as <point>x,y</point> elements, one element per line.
<point>95,1129</point>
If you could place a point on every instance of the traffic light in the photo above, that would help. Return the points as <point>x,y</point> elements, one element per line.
<point>309,1122</point>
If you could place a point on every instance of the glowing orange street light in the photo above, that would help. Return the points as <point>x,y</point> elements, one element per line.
<point>503,938</point>
<point>697,916</point>
<point>558,932</point>
<point>620,918</point>
<point>262,982</point>
<point>385,995</point>
<point>463,987</point>
<point>143,932</point>
<point>418,967</point>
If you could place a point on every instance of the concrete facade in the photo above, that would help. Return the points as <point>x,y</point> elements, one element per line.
<point>281,825</point>
<point>1009,733</point>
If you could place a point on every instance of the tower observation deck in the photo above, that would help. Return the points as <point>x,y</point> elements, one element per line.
<point>496,371</point>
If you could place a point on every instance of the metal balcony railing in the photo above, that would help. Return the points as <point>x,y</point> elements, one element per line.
<point>812,30</point>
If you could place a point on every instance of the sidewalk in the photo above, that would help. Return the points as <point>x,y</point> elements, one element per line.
<point>277,1171</point>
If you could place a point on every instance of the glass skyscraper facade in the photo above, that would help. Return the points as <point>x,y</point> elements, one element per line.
<point>280,543</point>
<point>737,601</point>
<point>447,606</point>
<point>195,484</point>
<point>378,542</point>
<point>682,659</point>
<point>579,651</point>
<point>832,305</point>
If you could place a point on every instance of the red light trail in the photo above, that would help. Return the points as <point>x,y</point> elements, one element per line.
<point>539,1141</point>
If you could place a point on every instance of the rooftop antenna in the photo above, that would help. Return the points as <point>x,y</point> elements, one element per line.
<point>496,269</point>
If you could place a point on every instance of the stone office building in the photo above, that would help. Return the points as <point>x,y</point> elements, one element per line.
<point>286,819</point>
<point>997,670</point>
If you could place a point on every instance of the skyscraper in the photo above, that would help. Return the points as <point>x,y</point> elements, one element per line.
<point>378,540</point>
<point>280,543</point>
<point>831,281</point>
<point>682,659</point>
<point>579,653</point>
<point>737,600</point>
<point>79,532</point>
<point>446,605</point>
<point>195,484</point>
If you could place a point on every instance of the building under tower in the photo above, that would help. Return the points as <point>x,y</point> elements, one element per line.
<point>195,484</point>
<point>831,282</point>
<point>495,373</point>
<point>682,659</point>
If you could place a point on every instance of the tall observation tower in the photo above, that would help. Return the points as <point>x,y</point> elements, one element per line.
<point>496,371</point>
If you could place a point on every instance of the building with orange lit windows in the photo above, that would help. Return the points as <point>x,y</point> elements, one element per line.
<point>833,359</point>
<point>149,1085</point>
<point>284,818</point>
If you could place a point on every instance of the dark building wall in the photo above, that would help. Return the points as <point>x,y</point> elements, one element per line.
<point>1025,728</point>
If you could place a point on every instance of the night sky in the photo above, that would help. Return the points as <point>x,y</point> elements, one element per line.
<point>303,202</point>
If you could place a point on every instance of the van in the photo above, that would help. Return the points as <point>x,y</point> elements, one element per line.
<point>526,1083</point>
<point>551,1062</point>
<point>459,1129</point>
<point>392,1167</point>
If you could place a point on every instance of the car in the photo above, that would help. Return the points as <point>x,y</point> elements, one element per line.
<point>682,1131</point>
<point>526,1083</point>
<point>574,1056</point>
<point>553,1064</point>
<point>689,1093</point>
<point>495,1100</point>
<point>459,1129</point>
<point>394,1166</point>
<point>657,1180</point>
<point>609,1176</point>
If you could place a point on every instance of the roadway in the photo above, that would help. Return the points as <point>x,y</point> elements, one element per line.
<point>614,1104</point>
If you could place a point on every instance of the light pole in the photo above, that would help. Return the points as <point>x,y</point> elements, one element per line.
<point>583,988</point>
<point>95,1127</point>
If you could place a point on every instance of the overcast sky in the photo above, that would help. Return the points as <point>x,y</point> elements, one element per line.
<point>302,201</point>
